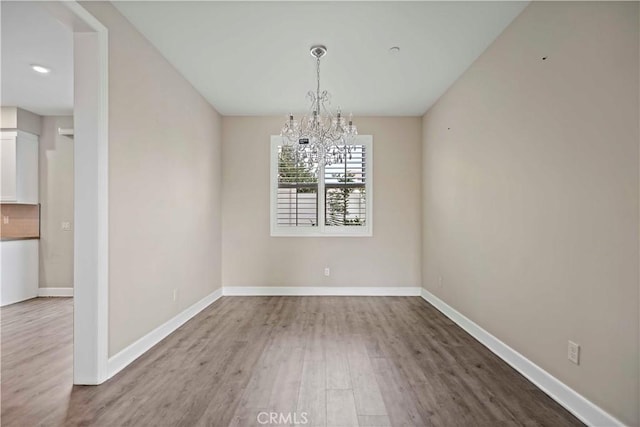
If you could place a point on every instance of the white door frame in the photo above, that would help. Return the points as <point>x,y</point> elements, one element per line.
<point>91,193</point>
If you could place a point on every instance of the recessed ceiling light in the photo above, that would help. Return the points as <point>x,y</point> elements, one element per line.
<point>40,69</point>
<point>394,49</point>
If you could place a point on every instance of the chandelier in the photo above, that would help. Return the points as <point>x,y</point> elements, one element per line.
<point>320,137</point>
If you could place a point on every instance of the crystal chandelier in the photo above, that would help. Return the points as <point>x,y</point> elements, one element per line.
<point>320,137</point>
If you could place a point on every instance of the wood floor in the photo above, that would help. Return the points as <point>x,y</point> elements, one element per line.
<point>329,361</point>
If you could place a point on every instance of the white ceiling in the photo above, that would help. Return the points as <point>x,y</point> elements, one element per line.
<point>251,58</point>
<point>30,35</point>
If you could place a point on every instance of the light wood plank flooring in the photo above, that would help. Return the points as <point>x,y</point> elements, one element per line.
<point>330,361</point>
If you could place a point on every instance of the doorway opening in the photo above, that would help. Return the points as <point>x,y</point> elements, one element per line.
<point>82,136</point>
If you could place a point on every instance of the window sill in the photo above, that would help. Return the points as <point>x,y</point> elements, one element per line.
<point>305,233</point>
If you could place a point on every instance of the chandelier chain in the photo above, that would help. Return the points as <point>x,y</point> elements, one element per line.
<point>318,84</point>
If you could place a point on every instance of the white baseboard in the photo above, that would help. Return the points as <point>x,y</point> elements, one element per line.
<point>55,292</point>
<point>320,290</point>
<point>583,409</point>
<point>121,360</point>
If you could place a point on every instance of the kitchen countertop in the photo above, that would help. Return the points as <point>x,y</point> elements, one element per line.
<point>11,239</point>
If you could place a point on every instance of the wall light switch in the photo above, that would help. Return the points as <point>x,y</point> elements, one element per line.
<point>66,225</point>
<point>5,219</point>
<point>574,352</point>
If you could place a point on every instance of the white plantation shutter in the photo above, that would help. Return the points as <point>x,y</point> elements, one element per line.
<point>321,200</point>
<point>297,197</point>
<point>345,190</point>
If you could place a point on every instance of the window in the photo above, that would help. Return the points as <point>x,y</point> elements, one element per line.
<point>308,199</point>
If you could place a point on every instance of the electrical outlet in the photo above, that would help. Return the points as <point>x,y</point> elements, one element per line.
<point>327,271</point>
<point>175,295</point>
<point>5,219</point>
<point>66,225</point>
<point>574,352</point>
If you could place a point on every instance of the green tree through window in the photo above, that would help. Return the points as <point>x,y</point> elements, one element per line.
<point>292,171</point>
<point>338,200</point>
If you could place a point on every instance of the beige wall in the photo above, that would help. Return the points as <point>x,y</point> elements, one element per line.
<point>56,203</point>
<point>29,122</point>
<point>164,186</point>
<point>531,195</point>
<point>390,258</point>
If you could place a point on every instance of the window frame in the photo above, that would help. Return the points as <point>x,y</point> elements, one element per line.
<point>321,230</point>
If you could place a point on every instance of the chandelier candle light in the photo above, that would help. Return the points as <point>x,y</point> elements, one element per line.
<point>319,136</point>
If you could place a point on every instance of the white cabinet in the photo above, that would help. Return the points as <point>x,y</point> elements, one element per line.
<point>8,165</point>
<point>18,270</point>
<point>19,163</point>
